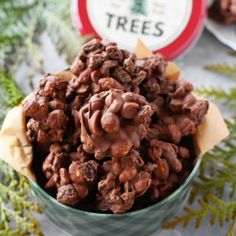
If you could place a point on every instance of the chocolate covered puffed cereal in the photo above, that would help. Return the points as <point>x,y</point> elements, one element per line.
<point>125,180</point>
<point>223,11</point>
<point>114,122</point>
<point>45,110</point>
<point>114,133</point>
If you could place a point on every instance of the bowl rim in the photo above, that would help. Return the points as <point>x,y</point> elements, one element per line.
<point>132,213</point>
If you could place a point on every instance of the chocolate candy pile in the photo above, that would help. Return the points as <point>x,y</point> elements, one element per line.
<point>113,136</point>
<point>223,11</point>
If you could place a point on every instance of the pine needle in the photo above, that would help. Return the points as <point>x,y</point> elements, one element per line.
<point>226,97</point>
<point>16,205</point>
<point>217,171</point>
<point>22,21</point>
<point>15,17</point>
<point>219,211</point>
<point>225,176</point>
<point>226,151</point>
<point>225,69</point>
<point>10,94</point>
<point>232,53</point>
<point>232,229</point>
<point>59,27</point>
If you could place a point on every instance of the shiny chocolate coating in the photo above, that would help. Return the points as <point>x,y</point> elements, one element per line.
<point>114,135</point>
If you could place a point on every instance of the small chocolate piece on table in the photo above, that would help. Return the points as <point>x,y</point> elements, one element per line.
<point>223,11</point>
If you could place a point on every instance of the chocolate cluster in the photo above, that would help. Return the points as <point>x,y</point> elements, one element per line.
<point>116,135</point>
<point>223,11</point>
<point>46,109</point>
<point>113,123</point>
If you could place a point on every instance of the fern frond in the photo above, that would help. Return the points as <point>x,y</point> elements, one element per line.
<point>224,69</point>
<point>28,46</point>
<point>15,17</point>
<point>10,94</point>
<point>22,20</point>
<point>226,97</point>
<point>60,29</point>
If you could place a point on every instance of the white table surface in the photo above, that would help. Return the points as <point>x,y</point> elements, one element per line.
<point>207,51</point>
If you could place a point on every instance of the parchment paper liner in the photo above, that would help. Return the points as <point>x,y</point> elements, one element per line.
<point>16,150</point>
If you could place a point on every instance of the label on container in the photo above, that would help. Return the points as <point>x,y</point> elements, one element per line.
<point>158,23</point>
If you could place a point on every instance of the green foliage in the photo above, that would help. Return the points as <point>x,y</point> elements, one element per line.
<point>16,205</point>
<point>59,27</point>
<point>223,178</point>
<point>220,212</point>
<point>22,22</point>
<point>138,7</point>
<point>14,22</point>
<point>217,177</point>
<point>225,69</point>
<point>226,97</point>
<point>225,152</point>
<point>10,94</point>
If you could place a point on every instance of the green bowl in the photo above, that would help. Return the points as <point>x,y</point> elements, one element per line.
<point>140,222</point>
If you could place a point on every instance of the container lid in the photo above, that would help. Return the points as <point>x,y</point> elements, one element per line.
<point>167,27</point>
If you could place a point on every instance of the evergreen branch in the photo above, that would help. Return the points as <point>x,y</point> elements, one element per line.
<point>21,23</point>
<point>232,53</point>
<point>225,69</point>
<point>19,38</point>
<point>27,46</point>
<point>212,160</point>
<point>10,94</point>
<point>232,229</point>
<point>16,205</point>
<point>217,171</point>
<point>61,30</point>
<point>231,124</point>
<point>15,18</point>
<point>227,98</point>
<point>6,38</point>
<point>217,167</point>
<point>224,152</point>
<point>217,209</point>
<point>216,184</point>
